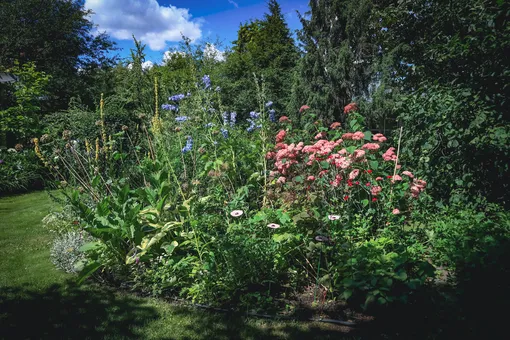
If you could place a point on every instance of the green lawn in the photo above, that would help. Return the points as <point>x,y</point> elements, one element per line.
<point>39,302</point>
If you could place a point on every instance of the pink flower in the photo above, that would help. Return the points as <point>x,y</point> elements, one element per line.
<point>347,136</point>
<point>354,173</point>
<point>358,135</point>
<point>304,107</point>
<point>281,180</point>
<point>350,107</point>
<point>284,119</point>
<point>310,178</point>
<point>320,135</point>
<point>379,137</point>
<point>236,213</point>
<point>358,154</point>
<point>371,146</point>
<point>395,212</point>
<point>417,187</point>
<point>389,155</point>
<point>379,178</point>
<point>336,182</point>
<point>375,190</point>
<point>335,125</point>
<point>273,226</point>
<point>333,217</point>
<point>281,136</point>
<point>270,155</point>
<point>408,174</point>
<point>396,178</point>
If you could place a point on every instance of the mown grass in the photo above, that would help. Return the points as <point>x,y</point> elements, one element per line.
<point>39,302</point>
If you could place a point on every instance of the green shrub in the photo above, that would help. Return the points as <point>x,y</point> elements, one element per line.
<point>20,171</point>
<point>65,252</point>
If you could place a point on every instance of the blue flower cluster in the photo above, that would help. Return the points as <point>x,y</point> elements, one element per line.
<point>206,81</point>
<point>169,107</point>
<point>181,119</point>
<point>177,97</point>
<point>269,104</point>
<point>224,115</point>
<point>233,117</point>
<point>224,132</point>
<point>188,146</point>
<point>254,117</point>
<point>272,115</point>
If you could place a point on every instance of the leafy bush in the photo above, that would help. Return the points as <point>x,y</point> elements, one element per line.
<point>65,252</point>
<point>20,170</point>
<point>61,222</point>
<point>468,143</point>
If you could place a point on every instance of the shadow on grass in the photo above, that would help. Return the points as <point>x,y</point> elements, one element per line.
<point>67,311</point>
<point>70,312</point>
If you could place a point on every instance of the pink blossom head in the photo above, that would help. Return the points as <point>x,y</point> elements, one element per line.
<point>395,211</point>
<point>375,190</point>
<point>270,155</point>
<point>354,173</point>
<point>320,135</point>
<point>371,146</point>
<point>379,137</point>
<point>236,213</point>
<point>396,178</point>
<point>281,180</point>
<point>281,136</point>
<point>379,178</point>
<point>358,135</point>
<point>333,217</point>
<point>347,136</point>
<point>284,119</point>
<point>303,108</point>
<point>408,174</point>
<point>335,125</point>
<point>273,226</point>
<point>350,108</point>
<point>357,154</point>
<point>310,178</point>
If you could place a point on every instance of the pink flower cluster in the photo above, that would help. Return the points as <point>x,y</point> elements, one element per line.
<point>389,155</point>
<point>350,107</point>
<point>354,136</point>
<point>379,137</point>
<point>281,136</point>
<point>371,146</point>
<point>417,187</point>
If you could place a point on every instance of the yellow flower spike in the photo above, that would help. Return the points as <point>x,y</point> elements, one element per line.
<point>97,149</point>
<point>101,112</point>
<point>87,146</point>
<point>38,152</point>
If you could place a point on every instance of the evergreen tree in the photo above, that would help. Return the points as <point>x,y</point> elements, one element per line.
<point>338,53</point>
<point>264,48</point>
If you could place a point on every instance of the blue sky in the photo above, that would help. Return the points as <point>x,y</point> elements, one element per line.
<point>158,23</point>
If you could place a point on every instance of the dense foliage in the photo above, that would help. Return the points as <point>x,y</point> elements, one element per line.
<point>366,167</point>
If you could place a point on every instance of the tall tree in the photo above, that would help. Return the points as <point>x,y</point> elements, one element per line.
<point>338,53</point>
<point>264,47</point>
<point>57,36</point>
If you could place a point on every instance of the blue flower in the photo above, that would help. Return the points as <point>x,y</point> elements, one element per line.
<point>209,125</point>
<point>218,89</point>
<point>181,119</point>
<point>188,146</point>
<point>224,132</point>
<point>224,115</point>
<point>206,81</point>
<point>269,103</point>
<point>233,116</point>
<point>169,107</point>
<point>188,94</point>
<point>272,116</point>
<point>177,97</point>
<point>254,115</point>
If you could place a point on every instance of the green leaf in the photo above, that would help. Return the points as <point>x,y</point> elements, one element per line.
<point>88,270</point>
<point>374,165</point>
<point>364,202</point>
<point>324,165</point>
<point>90,246</point>
<point>368,135</point>
<point>299,179</point>
<point>401,275</point>
<point>170,247</point>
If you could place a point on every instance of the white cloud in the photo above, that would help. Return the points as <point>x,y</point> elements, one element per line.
<point>233,3</point>
<point>168,55</point>
<point>210,51</point>
<point>150,22</point>
<point>147,65</point>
